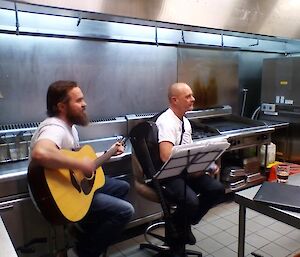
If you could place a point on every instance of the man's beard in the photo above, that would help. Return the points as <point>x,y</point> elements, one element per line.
<point>78,119</point>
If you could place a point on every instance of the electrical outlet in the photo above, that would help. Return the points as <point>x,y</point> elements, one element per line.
<point>268,107</point>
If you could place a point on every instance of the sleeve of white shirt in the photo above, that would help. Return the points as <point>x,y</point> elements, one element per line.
<point>53,133</point>
<point>166,132</point>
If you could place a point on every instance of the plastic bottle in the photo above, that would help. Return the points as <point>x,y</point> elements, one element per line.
<point>271,156</point>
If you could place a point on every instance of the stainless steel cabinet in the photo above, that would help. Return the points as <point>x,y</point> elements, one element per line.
<point>30,233</point>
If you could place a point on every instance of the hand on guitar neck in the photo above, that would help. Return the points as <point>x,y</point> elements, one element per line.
<point>116,149</point>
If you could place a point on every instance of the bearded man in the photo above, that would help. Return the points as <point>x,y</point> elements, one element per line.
<point>109,211</point>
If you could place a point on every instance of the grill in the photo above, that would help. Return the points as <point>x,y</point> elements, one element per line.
<point>241,132</point>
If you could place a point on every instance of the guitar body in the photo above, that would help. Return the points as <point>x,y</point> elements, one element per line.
<point>65,195</point>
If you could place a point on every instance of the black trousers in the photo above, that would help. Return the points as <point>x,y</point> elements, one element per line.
<point>191,209</point>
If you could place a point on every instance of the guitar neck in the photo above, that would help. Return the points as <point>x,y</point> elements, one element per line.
<point>106,156</point>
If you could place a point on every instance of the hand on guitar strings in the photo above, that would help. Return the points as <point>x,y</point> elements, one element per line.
<point>88,167</point>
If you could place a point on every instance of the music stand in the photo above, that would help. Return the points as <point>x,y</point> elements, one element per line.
<point>193,157</point>
<point>189,158</point>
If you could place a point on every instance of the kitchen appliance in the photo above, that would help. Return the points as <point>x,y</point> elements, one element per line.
<point>280,103</point>
<point>15,141</point>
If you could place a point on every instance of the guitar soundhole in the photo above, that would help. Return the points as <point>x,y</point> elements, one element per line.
<point>74,181</point>
<point>87,185</point>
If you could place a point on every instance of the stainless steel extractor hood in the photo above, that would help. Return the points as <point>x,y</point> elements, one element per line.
<point>277,18</point>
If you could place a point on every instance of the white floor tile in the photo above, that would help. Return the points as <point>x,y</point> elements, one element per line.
<point>234,231</point>
<point>224,252</point>
<point>217,235</point>
<point>256,240</point>
<point>209,229</point>
<point>269,234</point>
<point>253,226</point>
<point>288,243</point>
<point>282,228</point>
<point>221,211</point>
<point>223,224</point>
<point>198,234</point>
<point>275,250</point>
<point>295,234</point>
<point>248,248</point>
<point>224,238</point>
<point>210,217</point>
<point>233,218</point>
<point>209,245</point>
<point>264,220</point>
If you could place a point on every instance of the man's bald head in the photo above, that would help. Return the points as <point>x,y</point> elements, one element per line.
<point>176,89</point>
<point>181,98</point>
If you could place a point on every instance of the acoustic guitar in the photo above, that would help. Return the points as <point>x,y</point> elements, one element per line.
<point>65,195</point>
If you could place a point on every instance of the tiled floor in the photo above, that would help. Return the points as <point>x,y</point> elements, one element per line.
<point>217,236</point>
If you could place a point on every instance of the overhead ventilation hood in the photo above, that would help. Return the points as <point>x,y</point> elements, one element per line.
<point>271,18</point>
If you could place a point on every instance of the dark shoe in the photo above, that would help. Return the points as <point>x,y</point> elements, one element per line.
<point>190,238</point>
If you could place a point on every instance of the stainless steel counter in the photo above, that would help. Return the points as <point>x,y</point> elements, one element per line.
<point>18,169</point>
<point>13,170</point>
<point>6,245</point>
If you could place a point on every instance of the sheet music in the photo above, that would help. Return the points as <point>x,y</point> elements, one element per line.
<point>195,157</point>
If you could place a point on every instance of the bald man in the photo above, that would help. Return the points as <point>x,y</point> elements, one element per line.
<point>175,129</point>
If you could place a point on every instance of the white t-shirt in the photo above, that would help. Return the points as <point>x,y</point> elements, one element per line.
<point>57,131</point>
<point>170,128</point>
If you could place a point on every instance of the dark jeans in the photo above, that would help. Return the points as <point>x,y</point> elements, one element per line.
<point>107,216</point>
<point>193,208</point>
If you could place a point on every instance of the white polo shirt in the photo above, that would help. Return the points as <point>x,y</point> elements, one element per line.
<point>170,128</point>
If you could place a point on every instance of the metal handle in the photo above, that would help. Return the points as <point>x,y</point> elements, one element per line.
<point>9,205</point>
<point>6,208</point>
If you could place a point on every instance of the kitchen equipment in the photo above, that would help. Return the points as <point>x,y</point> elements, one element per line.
<point>242,134</point>
<point>4,150</point>
<point>234,177</point>
<point>280,102</point>
<point>15,141</point>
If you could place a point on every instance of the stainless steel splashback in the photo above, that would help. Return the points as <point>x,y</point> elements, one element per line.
<point>104,70</point>
<point>103,128</point>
